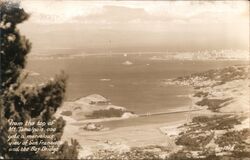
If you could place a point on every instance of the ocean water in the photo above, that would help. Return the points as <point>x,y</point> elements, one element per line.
<point>132,81</point>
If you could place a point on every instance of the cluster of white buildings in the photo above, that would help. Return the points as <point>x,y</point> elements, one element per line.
<point>205,55</point>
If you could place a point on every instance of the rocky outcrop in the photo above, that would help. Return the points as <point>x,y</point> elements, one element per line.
<point>93,106</point>
<point>92,127</point>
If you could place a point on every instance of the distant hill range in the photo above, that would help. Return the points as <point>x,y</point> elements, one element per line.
<point>192,55</point>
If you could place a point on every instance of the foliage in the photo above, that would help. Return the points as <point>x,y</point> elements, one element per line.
<point>67,151</point>
<point>66,113</point>
<point>215,122</point>
<point>107,113</point>
<point>194,140</point>
<point>201,130</point>
<point>201,94</point>
<point>180,155</point>
<point>237,141</point>
<point>14,47</point>
<point>135,153</point>
<point>232,144</point>
<point>24,103</point>
<point>213,104</point>
<point>234,138</point>
<point>220,76</point>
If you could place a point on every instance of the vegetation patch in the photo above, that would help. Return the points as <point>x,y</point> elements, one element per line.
<point>222,122</point>
<point>201,94</point>
<point>195,141</point>
<point>134,153</point>
<point>213,104</point>
<point>66,113</point>
<point>188,155</point>
<point>226,74</point>
<point>220,76</point>
<point>107,113</point>
<point>235,142</point>
<point>233,138</point>
<point>213,137</point>
<point>201,130</point>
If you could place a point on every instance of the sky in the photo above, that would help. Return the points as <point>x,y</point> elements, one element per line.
<point>136,26</point>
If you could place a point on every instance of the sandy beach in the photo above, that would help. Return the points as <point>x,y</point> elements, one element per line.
<point>122,139</point>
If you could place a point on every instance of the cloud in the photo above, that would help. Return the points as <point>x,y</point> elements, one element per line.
<point>113,14</point>
<point>123,14</point>
<point>119,13</point>
<point>59,11</point>
<point>51,11</point>
<point>137,24</point>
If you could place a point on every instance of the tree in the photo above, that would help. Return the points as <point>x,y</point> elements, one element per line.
<point>23,103</point>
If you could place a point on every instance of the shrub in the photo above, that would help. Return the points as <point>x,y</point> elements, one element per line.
<point>106,113</point>
<point>233,138</point>
<point>134,154</point>
<point>216,122</point>
<point>213,104</point>
<point>180,155</point>
<point>66,113</point>
<point>200,119</point>
<point>21,103</point>
<point>201,94</point>
<point>194,140</point>
<point>236,139</point>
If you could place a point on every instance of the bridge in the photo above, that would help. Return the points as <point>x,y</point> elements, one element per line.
<point>162,113</point>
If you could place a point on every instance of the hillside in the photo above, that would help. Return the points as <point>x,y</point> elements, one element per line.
<point>222,129</point>
<point>219,131</point>
<point>93,107</point>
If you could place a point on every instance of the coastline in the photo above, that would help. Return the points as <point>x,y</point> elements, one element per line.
<point>222,129</point>
<point>122,139</point>
<point>171,135</point>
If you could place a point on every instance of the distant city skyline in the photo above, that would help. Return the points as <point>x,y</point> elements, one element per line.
<point>131,26</point>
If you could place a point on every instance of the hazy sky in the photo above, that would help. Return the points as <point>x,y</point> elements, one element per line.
<point>129,26</point>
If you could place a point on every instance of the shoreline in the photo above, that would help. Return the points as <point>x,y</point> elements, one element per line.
<point>123,138</point>
<point>183,135</point>
<point>100,120</point>
<point>37,56</point>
